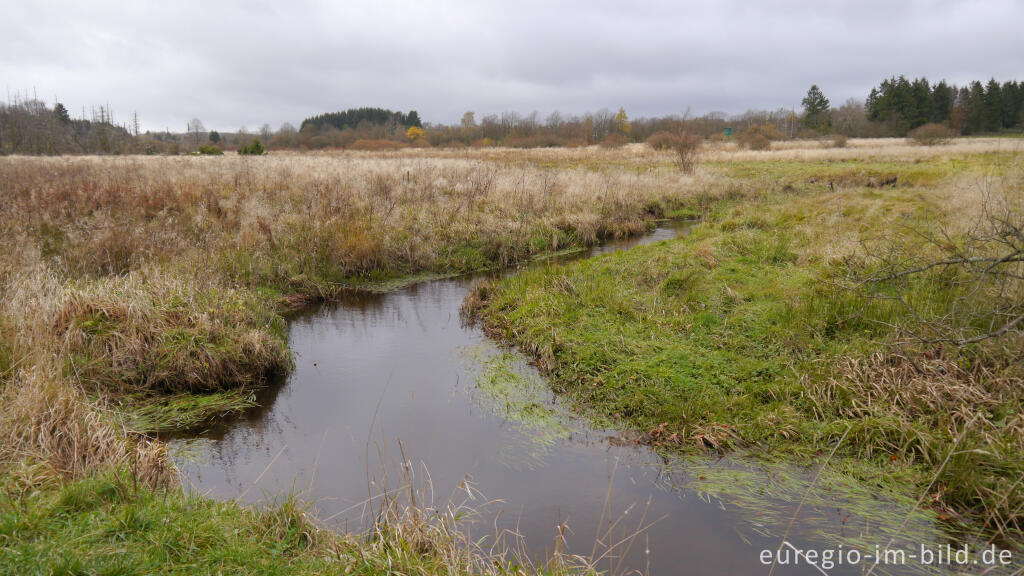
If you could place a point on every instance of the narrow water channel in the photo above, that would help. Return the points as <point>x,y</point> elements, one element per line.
<point>375,369</point>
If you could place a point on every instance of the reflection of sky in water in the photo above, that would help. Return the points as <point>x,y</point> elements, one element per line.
<point>373,370</point>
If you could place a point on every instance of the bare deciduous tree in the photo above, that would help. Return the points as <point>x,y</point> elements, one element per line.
<point>196,132</point>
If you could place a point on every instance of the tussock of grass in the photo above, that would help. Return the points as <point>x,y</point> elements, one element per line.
<point>49,432</point>
<point>147,332</point>
<point>918,405</point>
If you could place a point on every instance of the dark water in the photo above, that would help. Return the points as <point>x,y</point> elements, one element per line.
<point>375,370</point>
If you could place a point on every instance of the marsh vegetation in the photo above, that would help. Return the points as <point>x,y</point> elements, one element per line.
<point>150,294</point>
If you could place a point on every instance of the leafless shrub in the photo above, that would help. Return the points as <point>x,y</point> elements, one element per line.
<point>960,289</point>
<point>756,142</point>
<point>662,140</point>
<point>685,145</point>
<point>686,148</point>
<point>760,136</point>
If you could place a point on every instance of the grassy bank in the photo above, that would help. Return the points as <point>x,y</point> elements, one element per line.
<point>754,331</point>
<point>109,524</point>
<point>147,277</point>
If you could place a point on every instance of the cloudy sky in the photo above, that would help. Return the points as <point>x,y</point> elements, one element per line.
<point>235,64</point>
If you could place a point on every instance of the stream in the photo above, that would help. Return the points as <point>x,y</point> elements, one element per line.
<point>386,379</point>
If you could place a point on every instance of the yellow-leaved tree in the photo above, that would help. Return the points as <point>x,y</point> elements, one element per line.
<point>622,122</point>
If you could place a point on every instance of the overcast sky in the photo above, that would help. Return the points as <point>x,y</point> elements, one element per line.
<point>235,64</point>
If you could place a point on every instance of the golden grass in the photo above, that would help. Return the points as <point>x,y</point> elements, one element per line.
<point>876,149</point>
<point>49,431</point>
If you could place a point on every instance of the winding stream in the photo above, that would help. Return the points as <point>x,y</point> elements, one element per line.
<point>373,370</point>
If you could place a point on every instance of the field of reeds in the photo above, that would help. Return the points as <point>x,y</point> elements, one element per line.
<point>142,294</point>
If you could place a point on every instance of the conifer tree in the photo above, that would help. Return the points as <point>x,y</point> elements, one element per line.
<point>816,109</point>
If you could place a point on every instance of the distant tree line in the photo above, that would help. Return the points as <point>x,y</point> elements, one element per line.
<point>895,107</point>
<point>904,104</point>
<point>352,118</point>
<point>29,126</point>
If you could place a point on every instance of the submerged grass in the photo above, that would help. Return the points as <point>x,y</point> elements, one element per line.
<point>151,414</point>
<point>507,388</point>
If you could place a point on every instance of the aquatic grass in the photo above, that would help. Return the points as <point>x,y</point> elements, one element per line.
<point>507,387</point>
<point>851,505</point>
<point>153,414</point>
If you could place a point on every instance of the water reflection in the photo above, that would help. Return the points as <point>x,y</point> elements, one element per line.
<point>375,369</point>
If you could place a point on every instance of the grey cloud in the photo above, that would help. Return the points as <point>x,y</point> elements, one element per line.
<point>246,63</point>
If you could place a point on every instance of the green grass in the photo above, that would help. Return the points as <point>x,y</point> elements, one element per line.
<point>107,525</point>
<point>736,336</point>
<point>153,414</point>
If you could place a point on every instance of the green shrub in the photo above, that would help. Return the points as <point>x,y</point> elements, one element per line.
<point>254,148</point>
<point>210,150</point>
